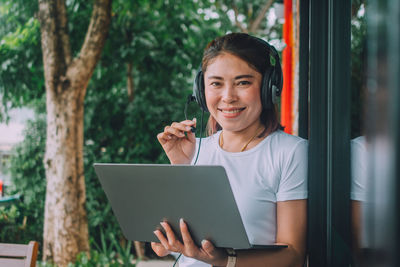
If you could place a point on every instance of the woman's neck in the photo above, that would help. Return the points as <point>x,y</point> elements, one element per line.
<point>237,141</point>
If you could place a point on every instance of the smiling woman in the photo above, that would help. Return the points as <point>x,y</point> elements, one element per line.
<point>267,168</point>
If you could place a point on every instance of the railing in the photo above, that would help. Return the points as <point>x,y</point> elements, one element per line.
<point>5,201</point>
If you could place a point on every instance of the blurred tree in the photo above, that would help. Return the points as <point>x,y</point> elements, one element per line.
<point>248,16</point>
<point>66,79</point>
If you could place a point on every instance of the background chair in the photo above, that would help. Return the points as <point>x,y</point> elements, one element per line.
<point>17,255</point>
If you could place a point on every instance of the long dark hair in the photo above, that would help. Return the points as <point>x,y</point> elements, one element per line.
<point>255,53</point>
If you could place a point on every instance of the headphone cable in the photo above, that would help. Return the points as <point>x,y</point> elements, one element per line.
<point>201,135</point>
<point>177,260</point>
<point>197,157</point>
<point>189,99</point>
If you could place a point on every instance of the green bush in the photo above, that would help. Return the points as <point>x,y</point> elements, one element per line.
<point>11,227</point>
<point>23,221</point>
<point>111,254</point>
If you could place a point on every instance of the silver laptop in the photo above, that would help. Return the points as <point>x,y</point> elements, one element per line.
<point>143,195</point>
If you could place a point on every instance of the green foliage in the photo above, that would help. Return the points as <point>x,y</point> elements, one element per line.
<point>108,254</point>
<point>23,221</point>
<point>10,224</point>
<point>98,259</point>
<point>14,13</point>
<point>112,254</point>
<point>163,41</point>
<point>164,48</point>
<point>21,71</point>
<point>358,70</point>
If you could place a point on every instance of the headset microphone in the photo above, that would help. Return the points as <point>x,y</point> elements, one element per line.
<point>190,98</point>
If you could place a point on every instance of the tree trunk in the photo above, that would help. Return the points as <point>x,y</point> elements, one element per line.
<point>65,226</point>
<point>65,229</point>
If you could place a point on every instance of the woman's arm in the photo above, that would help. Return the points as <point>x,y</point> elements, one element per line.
<point>356,228</point>
<point>291,230</point>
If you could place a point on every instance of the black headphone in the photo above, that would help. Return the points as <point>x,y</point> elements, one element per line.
<point>271,87</point>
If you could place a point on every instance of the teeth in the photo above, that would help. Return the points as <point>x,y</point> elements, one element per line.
<point>231,111</point>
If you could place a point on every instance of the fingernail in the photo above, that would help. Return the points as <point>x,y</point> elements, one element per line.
<point>181,222</point>
<point>203,242</point>
<point>188,128</point>
<point>194,119</point>
<point>155,232</point>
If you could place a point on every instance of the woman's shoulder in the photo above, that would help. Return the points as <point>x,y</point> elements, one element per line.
<point>285,145</point>
<point>285,140</point>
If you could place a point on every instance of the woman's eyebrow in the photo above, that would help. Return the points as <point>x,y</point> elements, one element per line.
<point>215,77</point>
<point>244,76</point>
<point>236,78</point>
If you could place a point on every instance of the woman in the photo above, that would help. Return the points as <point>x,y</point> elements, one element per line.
<point>267,168</point>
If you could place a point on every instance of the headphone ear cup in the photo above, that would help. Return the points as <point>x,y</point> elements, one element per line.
<point>198,90</point>
<point>266,94</point>
<point>277,80</point>
<point>272,86</point>
<point>275,94</point>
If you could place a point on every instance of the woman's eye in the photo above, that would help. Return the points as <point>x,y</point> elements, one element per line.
<point>244,83</point>
<point>215,84</point>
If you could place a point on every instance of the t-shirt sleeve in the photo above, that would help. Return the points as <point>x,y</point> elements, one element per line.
<point>293,182</point>
<point>358,169</point>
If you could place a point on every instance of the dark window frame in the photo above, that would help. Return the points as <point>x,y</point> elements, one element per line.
<point>329,236</point>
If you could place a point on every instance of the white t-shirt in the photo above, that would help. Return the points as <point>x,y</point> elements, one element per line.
<point>359,163</point>
<point>274,170</point>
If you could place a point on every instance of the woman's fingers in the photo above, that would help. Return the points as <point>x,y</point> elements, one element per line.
<point>186,237</point>
<point>207,252</point>
<point>191,250</point>
<point>208,248</point>
<point>189,122</point>
<point>171,130</point>
<point>173,243</point>
<point>180,128</point>
<point>163,138</point>
<point>177,130</point>
<point>159,249</point>
<point>162,238</point>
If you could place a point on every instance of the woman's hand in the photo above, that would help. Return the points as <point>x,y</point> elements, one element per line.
<point>179,147</point>
<point>159,249</point>
<point>206,253</point>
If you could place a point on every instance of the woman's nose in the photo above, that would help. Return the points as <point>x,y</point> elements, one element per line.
<point>229,94</point>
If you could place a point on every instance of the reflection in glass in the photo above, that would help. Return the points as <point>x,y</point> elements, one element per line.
<point>358,145</point>
<point>358,196</point>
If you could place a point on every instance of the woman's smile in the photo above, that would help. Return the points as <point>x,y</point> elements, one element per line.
<point>231,112</point>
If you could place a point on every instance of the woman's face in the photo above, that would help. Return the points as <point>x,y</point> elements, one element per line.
<point>232,90</point>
